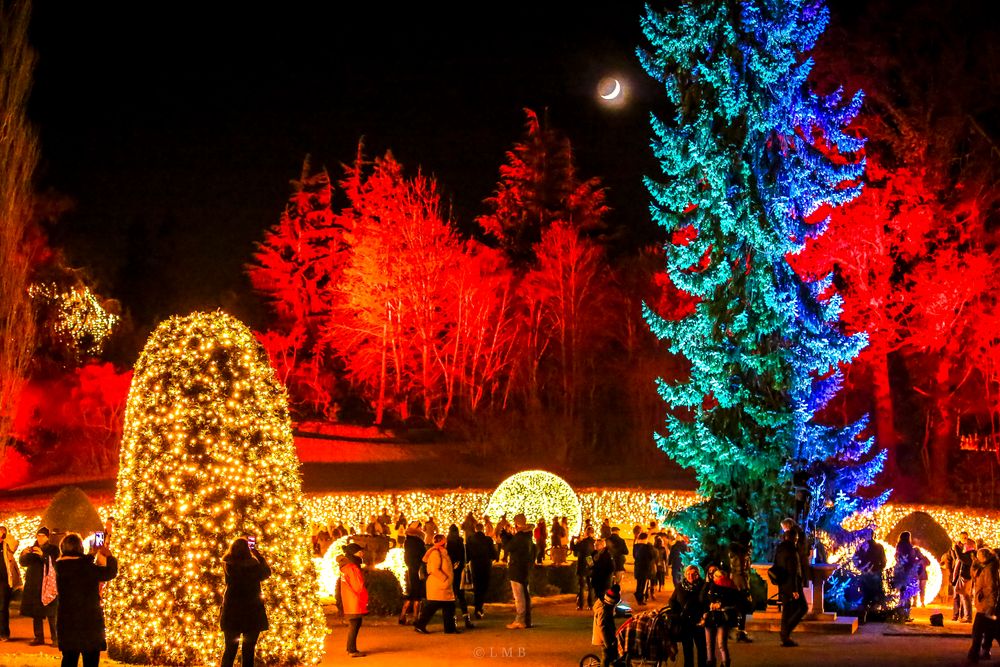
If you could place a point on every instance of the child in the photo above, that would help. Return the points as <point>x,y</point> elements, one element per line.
<point>604,625</point>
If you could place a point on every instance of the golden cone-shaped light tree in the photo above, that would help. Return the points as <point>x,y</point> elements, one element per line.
<point>207,456</point>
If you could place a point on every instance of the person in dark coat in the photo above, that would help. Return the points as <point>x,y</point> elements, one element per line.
<point>37,561</point>
<point>456,552</point>
<point>482,553</point>
<point>602,572</point>
<point>721,600</point>
<point>521,550</point>
<point>687,606</point>
<point>675,559</point>
<point>243,612</point>
<point>619,550</point>
<point>644,557</point>
<point>413,555</point>
<point>584,550</point>
<point>80,619</point>
<point>790,582</point>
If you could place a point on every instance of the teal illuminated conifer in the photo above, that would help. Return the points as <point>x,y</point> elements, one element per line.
<point>750,159</point>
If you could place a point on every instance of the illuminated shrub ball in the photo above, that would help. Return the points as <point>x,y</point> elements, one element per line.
<point>536,494</point>
<point>207,456</point>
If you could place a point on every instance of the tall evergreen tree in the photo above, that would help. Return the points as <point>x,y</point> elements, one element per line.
<point>752,161</point>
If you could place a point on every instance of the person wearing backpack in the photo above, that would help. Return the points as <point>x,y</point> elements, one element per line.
<point>40,598</point>
<point>787,571</point>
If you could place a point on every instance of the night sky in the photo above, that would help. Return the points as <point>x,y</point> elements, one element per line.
<point>175,129</point>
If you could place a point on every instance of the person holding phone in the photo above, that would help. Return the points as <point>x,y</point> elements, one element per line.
<point>80,618</point>
<point>243,613</point>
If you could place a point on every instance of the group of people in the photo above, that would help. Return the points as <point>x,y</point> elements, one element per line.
<point>61,588</point>
<point>971,569</point>
<point>439,574</point>
<point>703,611</point>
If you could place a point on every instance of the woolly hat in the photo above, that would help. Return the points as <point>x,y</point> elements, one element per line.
<point>353,549</point>
<point>612,595</point>
<point>42,531</point>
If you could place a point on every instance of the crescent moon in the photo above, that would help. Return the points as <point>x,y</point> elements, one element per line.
<point>614,93</point>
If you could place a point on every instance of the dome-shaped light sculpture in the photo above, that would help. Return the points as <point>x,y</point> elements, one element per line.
<point>538,495</point>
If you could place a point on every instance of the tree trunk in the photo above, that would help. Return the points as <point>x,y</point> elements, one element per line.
<point>942,434</point>
<point>886,435</point>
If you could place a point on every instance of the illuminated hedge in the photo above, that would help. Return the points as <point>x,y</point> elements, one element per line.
<point>536,494</point>
<point>207,456</point>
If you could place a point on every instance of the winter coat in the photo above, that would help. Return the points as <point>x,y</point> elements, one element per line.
<point>618,550</point>
<point>35,566</point>
<point>440,575</point>
<point>242,604</point>
<point>353,592</point>
<point>724,595</point>
<point>9,567</point>
<point>986,588</point>
<point>413,555</point>
<point>644,558</point>
<point>480,550</point>
<point>557,534</point>
<point>687,603</point>
<point>80,619</point>
<point>602,571</point>
<point>739,569</point>
<point>583,550</point>
<point>604,624</point>
<point>521,552</point>
<point>456,552</point>
<point>786,557</point>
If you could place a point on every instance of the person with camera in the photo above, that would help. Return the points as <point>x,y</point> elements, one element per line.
<point>243,613</point>
<point>40,600</point>
<point>80,618</point>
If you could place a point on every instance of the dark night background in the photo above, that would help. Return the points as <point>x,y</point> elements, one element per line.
<point>174,129</point>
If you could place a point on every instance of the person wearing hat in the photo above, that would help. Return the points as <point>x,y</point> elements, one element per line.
<point>413,555</point>
<point>353,595</point>
<point>440,594</point>
<point>521,551</point>
<point>604,625</point>
<point>38,562</point>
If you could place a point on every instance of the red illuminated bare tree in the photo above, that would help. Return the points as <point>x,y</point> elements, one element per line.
<point>18,158</point>
<point>425,323</point>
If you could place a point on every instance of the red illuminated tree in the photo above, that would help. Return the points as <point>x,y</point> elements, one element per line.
<point>424,319</point>
<point>18,158</point>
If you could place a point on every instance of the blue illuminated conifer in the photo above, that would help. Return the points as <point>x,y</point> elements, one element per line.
<point>751,157</point>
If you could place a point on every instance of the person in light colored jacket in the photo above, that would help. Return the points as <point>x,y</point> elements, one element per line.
<point>440,594</point>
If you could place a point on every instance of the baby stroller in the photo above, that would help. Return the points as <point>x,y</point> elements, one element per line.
<point>648,638</point>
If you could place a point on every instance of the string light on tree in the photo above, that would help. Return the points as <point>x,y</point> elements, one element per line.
<point>538,495</point>
<point>80,316</point>
<point>207,456</point>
